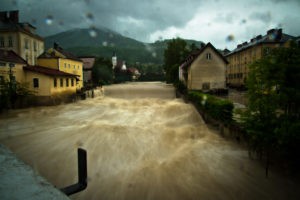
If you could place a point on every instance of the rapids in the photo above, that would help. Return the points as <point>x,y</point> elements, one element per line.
<point>141,144</point>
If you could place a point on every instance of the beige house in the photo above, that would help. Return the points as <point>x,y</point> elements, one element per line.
<point>20,37</point>
<point>204,69</point>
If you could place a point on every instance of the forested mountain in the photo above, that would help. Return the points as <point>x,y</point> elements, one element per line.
<point>103,42</point>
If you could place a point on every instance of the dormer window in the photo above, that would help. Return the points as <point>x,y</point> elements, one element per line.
<point>208,56</point>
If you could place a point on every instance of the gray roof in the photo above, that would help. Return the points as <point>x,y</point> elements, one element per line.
<point>272,36</point>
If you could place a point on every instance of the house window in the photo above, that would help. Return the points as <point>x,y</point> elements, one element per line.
<point>69,66</point>
<point>72,82</point>
<point>205,86</point>
<point>55,82</point>
<point>78,67</point>
<point>27,57</point>
<point>34,46</point>
<point>61,83</point>
<point>10,41</point>
<point>67,82</point>
<point>65,65</point>
<point>35,82</point>
<point>1,41</point>
<point>74,66</point>
<point>2,64</point>
<point>26,44</point>
<point>208,56</point>
<point>1,79</point>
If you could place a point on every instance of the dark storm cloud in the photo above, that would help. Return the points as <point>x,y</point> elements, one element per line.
<point>150,15</point>
<point>149,20</point>
<point>265,17</point>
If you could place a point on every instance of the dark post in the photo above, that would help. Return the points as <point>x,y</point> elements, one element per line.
<point>82,175</point>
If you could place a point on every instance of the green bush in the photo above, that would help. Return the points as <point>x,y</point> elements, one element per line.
<point>218,109</point>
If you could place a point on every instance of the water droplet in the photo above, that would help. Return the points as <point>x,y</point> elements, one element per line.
<point>14,2</point>
<point>111,35</point>
<point>33,21</point>
<point>112,44</point>
<point>243,21</point>
<point>160,38</point>
<point>154,54</point>
<point>93,33</point>
<point>104,43</point>
<point>49,20</point>
<point>61,22</point>
<point>89,16</point>
<point>230,38</point>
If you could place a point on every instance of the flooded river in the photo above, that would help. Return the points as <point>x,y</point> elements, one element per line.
<point>142,143</point>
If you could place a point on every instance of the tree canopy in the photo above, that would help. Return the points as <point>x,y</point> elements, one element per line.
<point>174,55</point>
<point>272,120</point>
<point>102,72</point>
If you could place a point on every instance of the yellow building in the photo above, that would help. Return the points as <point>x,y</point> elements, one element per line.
<point>19,37</point>
<point>11,66</point>
<point>246,53</point>
<point>58,59</point>
<point>48,82</point>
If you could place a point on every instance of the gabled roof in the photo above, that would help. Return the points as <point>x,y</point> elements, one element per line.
<point>190,59</point>
<point>58,52</point>
<point>11,56</point>
<point>47,71</point>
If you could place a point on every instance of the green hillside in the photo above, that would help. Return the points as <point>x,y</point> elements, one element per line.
<point>103,42</point>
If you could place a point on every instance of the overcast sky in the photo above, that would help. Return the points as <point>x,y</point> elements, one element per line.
<point>149,20</point>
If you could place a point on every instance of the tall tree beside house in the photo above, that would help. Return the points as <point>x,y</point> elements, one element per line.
<point>102,72</point>
<point>272,120</point>
<point>174,55</point>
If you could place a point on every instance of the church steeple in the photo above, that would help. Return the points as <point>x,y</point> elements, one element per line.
<point>114,60</point>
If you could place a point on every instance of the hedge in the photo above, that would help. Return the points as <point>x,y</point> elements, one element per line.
<point>218,109</point>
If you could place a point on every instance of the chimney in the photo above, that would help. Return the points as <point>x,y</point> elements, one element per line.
<point>55,45</point>
<point>3,16</point>
<point>258,37</point>
<point>14,16</point>
<point>245,43</point>
<point>278,34</point>
<point>270,31</point>
<point>239,45</point>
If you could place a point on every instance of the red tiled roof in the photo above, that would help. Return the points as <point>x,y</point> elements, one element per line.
<point>11,56</point>
<point>47,71</point>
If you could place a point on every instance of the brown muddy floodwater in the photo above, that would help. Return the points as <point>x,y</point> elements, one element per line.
<point>152,146</point>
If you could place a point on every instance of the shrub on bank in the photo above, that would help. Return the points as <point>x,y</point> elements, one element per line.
<point>218,109</point>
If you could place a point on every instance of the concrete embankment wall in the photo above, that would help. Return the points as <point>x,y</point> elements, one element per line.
<point>19,181</point>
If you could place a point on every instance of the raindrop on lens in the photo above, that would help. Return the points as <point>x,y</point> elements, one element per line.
<point>230,38</point>
<point>104,43</point>
<point>49,20</point>
<point>93,32</point>
<point>90,16</point>
<point>154,54</point>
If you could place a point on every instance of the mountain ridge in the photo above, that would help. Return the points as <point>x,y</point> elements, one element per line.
<point>103,42</point>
